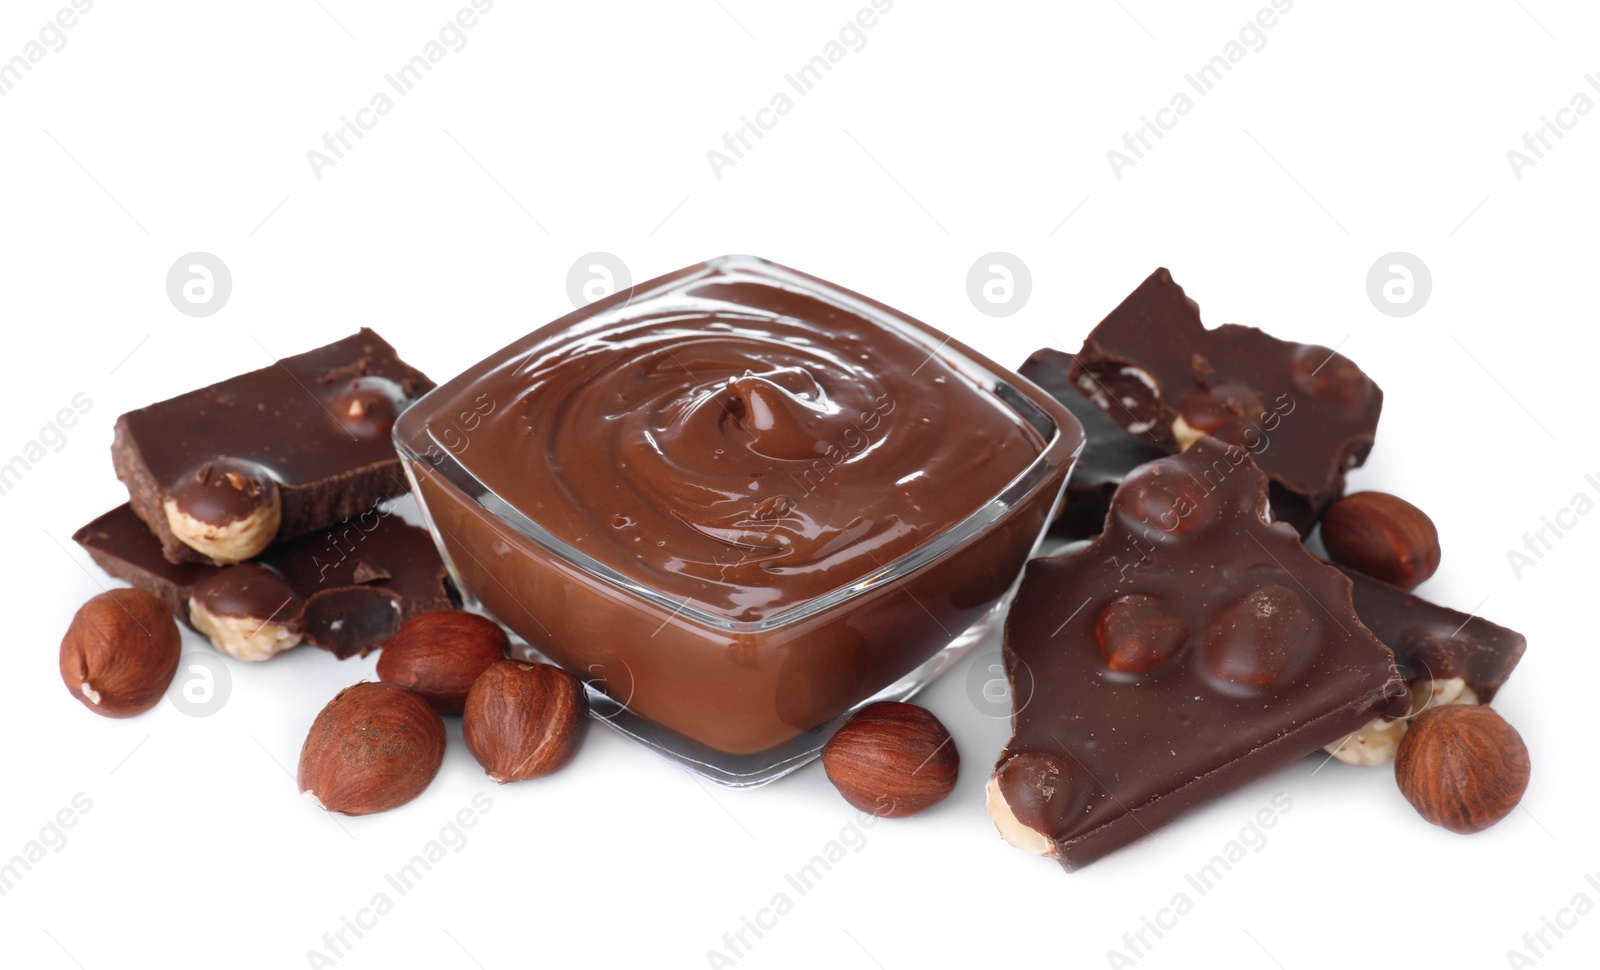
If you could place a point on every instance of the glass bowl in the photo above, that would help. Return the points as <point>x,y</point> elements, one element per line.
<point>740,697</point>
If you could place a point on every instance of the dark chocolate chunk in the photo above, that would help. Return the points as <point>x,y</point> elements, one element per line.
<point>1306,414</point>
<point>346,589</point>
<point>1192,648</point>
<point>1433,642</point>
<point>221,472</point>
<point>248,591</point>
<point>1109,452</point>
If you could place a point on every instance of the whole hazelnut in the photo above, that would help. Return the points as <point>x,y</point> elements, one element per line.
<point>1462,767</point>
<point>374,747</point>
<point>892,760</point>
<point>438,655</point>
<point>1383,536</point>
<point>120,653</point>
<point>524,720</point>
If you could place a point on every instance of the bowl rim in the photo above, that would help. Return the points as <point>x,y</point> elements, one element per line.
<point>1062,433</point>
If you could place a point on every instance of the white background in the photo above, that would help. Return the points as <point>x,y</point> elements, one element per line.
<point>1361,128</point>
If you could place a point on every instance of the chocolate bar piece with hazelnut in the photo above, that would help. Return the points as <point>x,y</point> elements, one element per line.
<point>1449,657</point>
<point>1305,413</point>
<point>220,473</point>
<point>1109,452</point>
<point>1436,643</point>
<point>346,589</point>
<point>1192,648</point>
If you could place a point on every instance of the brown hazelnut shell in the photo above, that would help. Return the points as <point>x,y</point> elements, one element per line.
<point>892,760</point>
<point>1384,536</point>
<point>524,720</point>
<point>439,655</point>
<point>374,747</point>
<point>120,653</point>
<point>1462,766</point>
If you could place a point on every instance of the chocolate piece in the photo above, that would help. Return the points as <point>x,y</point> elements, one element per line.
<point>1190,649</point>
<point>1109,452</point>
<point>325,587</point>
<point>1433,642</point>
<point>247,611</point>
<point>227,509</point>
<point>219,473</point>
<point>1306,414</point>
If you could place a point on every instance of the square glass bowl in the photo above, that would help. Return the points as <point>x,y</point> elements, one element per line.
<point>848,579</point>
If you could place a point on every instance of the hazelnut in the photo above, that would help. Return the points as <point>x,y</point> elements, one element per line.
<point>374,747</point>
<point>227,509</point>
<point>1383,536</point>
<point>1439,693</point>
<point>1374,744</point>
<point>1331,378</point>
<point>120,653</point>
<point>524,720</point>
<point>1379,740</point>
<point>438,655</point>
<point>892,760</point>
<point>1462,767</point>
<point>1031,796</point>
<point>248,611</point>
<point>1254,643</point>
<point>367,406</point>
<point>1137,633</point>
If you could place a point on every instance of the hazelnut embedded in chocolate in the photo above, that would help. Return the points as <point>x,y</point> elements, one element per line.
<point>1157,505</point>
<point>227,509</point>
<point>1379,741</point>
<point>367,406</point>
<point>1257,641</point>
<point>1032,796</point>
<point>1137,633</point>
<point>248,611</point>
<point>1331,377</point>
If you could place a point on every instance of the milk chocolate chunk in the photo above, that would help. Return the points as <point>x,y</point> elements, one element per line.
<point>346,589</point>
<point>1306,414</point>
<point>1190,649</point>
<point>1109,452</point>
<point>1435,643</point>
<point>220,473</point>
